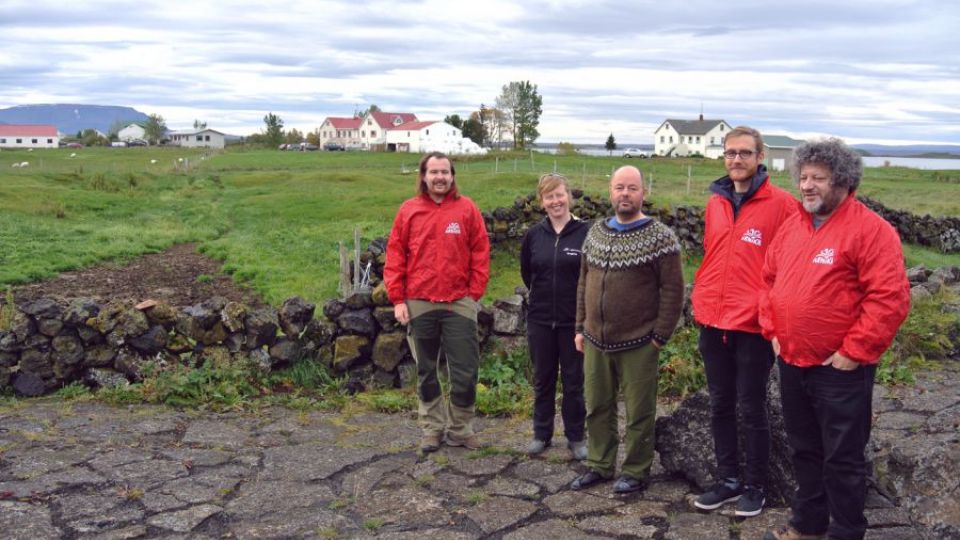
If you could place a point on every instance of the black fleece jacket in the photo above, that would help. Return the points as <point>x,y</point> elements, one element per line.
<point>550,268</point>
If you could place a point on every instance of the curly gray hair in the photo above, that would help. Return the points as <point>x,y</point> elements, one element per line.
<point>846,166</point>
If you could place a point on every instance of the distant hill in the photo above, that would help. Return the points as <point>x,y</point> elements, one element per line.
<point>910,150</point>
<point>69,118</point>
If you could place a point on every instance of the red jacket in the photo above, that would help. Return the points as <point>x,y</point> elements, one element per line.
<point>437,252</point>
<point>842,287</point>
<point>727,284</point>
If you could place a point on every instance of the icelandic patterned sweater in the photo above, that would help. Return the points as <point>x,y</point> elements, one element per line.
<point>631,286</point>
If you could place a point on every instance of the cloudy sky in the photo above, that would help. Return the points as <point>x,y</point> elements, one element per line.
<point>877,71</point>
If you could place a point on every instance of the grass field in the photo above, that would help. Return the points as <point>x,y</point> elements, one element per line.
<point>276,218</point>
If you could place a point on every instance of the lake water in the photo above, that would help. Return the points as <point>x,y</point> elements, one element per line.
<point>913,163</point>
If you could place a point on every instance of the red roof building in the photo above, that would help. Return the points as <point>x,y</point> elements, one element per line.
<point>28,136</point>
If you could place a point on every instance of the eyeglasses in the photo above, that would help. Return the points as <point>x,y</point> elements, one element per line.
<point>742,154</point>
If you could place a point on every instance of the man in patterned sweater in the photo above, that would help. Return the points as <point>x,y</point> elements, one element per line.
<point>629,299</point>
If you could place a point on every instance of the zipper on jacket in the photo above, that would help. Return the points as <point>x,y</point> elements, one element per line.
<point>553,288</point>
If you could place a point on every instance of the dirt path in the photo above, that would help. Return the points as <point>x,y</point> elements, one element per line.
<point>180,276</point>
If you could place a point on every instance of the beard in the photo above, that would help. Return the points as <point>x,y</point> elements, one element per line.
<point>825,204</point>
<point>627,211</point>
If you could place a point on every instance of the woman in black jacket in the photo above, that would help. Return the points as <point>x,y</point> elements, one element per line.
<point>550,267</point>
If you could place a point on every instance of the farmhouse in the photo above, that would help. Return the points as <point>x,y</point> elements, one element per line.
<point>339,130</point>
<point>368,132</point>
<point>197,138</point>
<point>777,149</point>
<point>422,137</point>
<point>131,132</point>
<point>687,137</point>
<point>29,136</point>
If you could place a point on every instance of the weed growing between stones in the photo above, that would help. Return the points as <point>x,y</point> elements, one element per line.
<point>504,387</point>
<point>931,327</point>
<point>388,401</point>
<point>476,496</point>
<point>328,533</point>
<point>372,524</point>
<point>681,369</point>
<point>75,390</point>
<point>6,310</point>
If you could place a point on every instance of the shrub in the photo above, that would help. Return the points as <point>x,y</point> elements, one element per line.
<point>681,369</point>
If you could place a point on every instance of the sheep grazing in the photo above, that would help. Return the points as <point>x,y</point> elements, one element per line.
<point>153,162</point>
<point>16,165</point>
<point>24,164</point>
<point>73,154</point>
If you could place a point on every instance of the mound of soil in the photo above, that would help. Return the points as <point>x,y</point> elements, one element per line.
<point>178,276</point>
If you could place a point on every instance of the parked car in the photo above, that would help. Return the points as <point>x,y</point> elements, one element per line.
<point>635,153</point>
<point>334,147</point>
<point>310,147</point>
<point>74,145</point>
<point>137,142</point>
<point>118,144</point>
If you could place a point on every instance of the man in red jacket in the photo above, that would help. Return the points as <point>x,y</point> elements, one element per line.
<point>437,268</point>
<point>742,217</point>
<point>835,292</point>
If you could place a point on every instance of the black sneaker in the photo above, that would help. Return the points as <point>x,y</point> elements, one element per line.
<point>721,493</point>
<point>751,503</point>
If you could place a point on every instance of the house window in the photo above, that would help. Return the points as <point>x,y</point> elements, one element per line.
<point>721,127</point>
<point>19,141</point>
<point>49,141</point>
<point>200,138</point>
<point>3,141</point>
<point>206,137</point>
<point>711,140</point>
<point>671,139</point>
<point>33,141</point>
<point>698,139</point>
<point>428,131</point>
<point>662,138</point>
<point>373,133</point>
<point>368,122</point>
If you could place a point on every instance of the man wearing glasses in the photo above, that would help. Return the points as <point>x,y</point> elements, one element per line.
<point>742,217</point>
<point>438,265</point>
<point>834,293</point>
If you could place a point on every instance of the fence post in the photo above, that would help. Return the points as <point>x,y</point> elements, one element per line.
<point>689,167</point>
<point>497,165</point>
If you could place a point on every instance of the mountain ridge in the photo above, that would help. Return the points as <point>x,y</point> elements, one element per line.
<point>71,117</point>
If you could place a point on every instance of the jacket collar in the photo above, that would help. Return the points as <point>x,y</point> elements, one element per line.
<point>724,186</point>
<point>571,225</point>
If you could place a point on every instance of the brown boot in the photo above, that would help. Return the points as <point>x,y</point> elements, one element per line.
<point>430,442</point>
<point>787,532</point>
<point>470,442</point>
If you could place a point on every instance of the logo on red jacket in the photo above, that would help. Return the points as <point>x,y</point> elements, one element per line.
<point>753,236</point>
<point>824,257</point>
<point>453,228</point>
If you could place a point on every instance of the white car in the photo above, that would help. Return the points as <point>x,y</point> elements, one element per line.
<point>635,153</point>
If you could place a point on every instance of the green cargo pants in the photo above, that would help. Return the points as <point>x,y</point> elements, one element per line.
<point>449,328</point>
<point>633,371</point>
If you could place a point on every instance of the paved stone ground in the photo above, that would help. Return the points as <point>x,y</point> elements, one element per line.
<point>88,470</point>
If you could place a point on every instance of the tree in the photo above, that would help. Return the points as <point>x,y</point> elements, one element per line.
<point>274,130</point>
<point>473,129</point>
<point>293,137</point>
<point>454,120</point>
<point>91,137</point>
<point>314,137</point>
<point>522,106</point>
<point>611,144</point>
<point>199,124</point>
<point>493,122</point>
<point>154,129</point>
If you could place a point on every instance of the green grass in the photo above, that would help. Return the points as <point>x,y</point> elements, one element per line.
<point>276,218</point>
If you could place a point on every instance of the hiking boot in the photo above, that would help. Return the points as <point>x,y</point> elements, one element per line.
<point>429,442</point>
<point>721,493</point>
<point>789,533</point>
<point>537,447</point>
<point>587,479</point>
<point>470,442</point>
<point>751,502</point>
<point>578,449</point>
<point>628,484</point>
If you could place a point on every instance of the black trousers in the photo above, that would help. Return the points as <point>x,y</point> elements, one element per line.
<point>737,365</point>
<point>827,414</point>
<point>552,350</point>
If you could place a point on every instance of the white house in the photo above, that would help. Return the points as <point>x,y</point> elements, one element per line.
<point>132,132</point>
<point>688,137</point>
<point>197,138</point>
<point>340,130</point>
<point>29,136</point>
<point>430,136</point>
<point>374,126</point>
